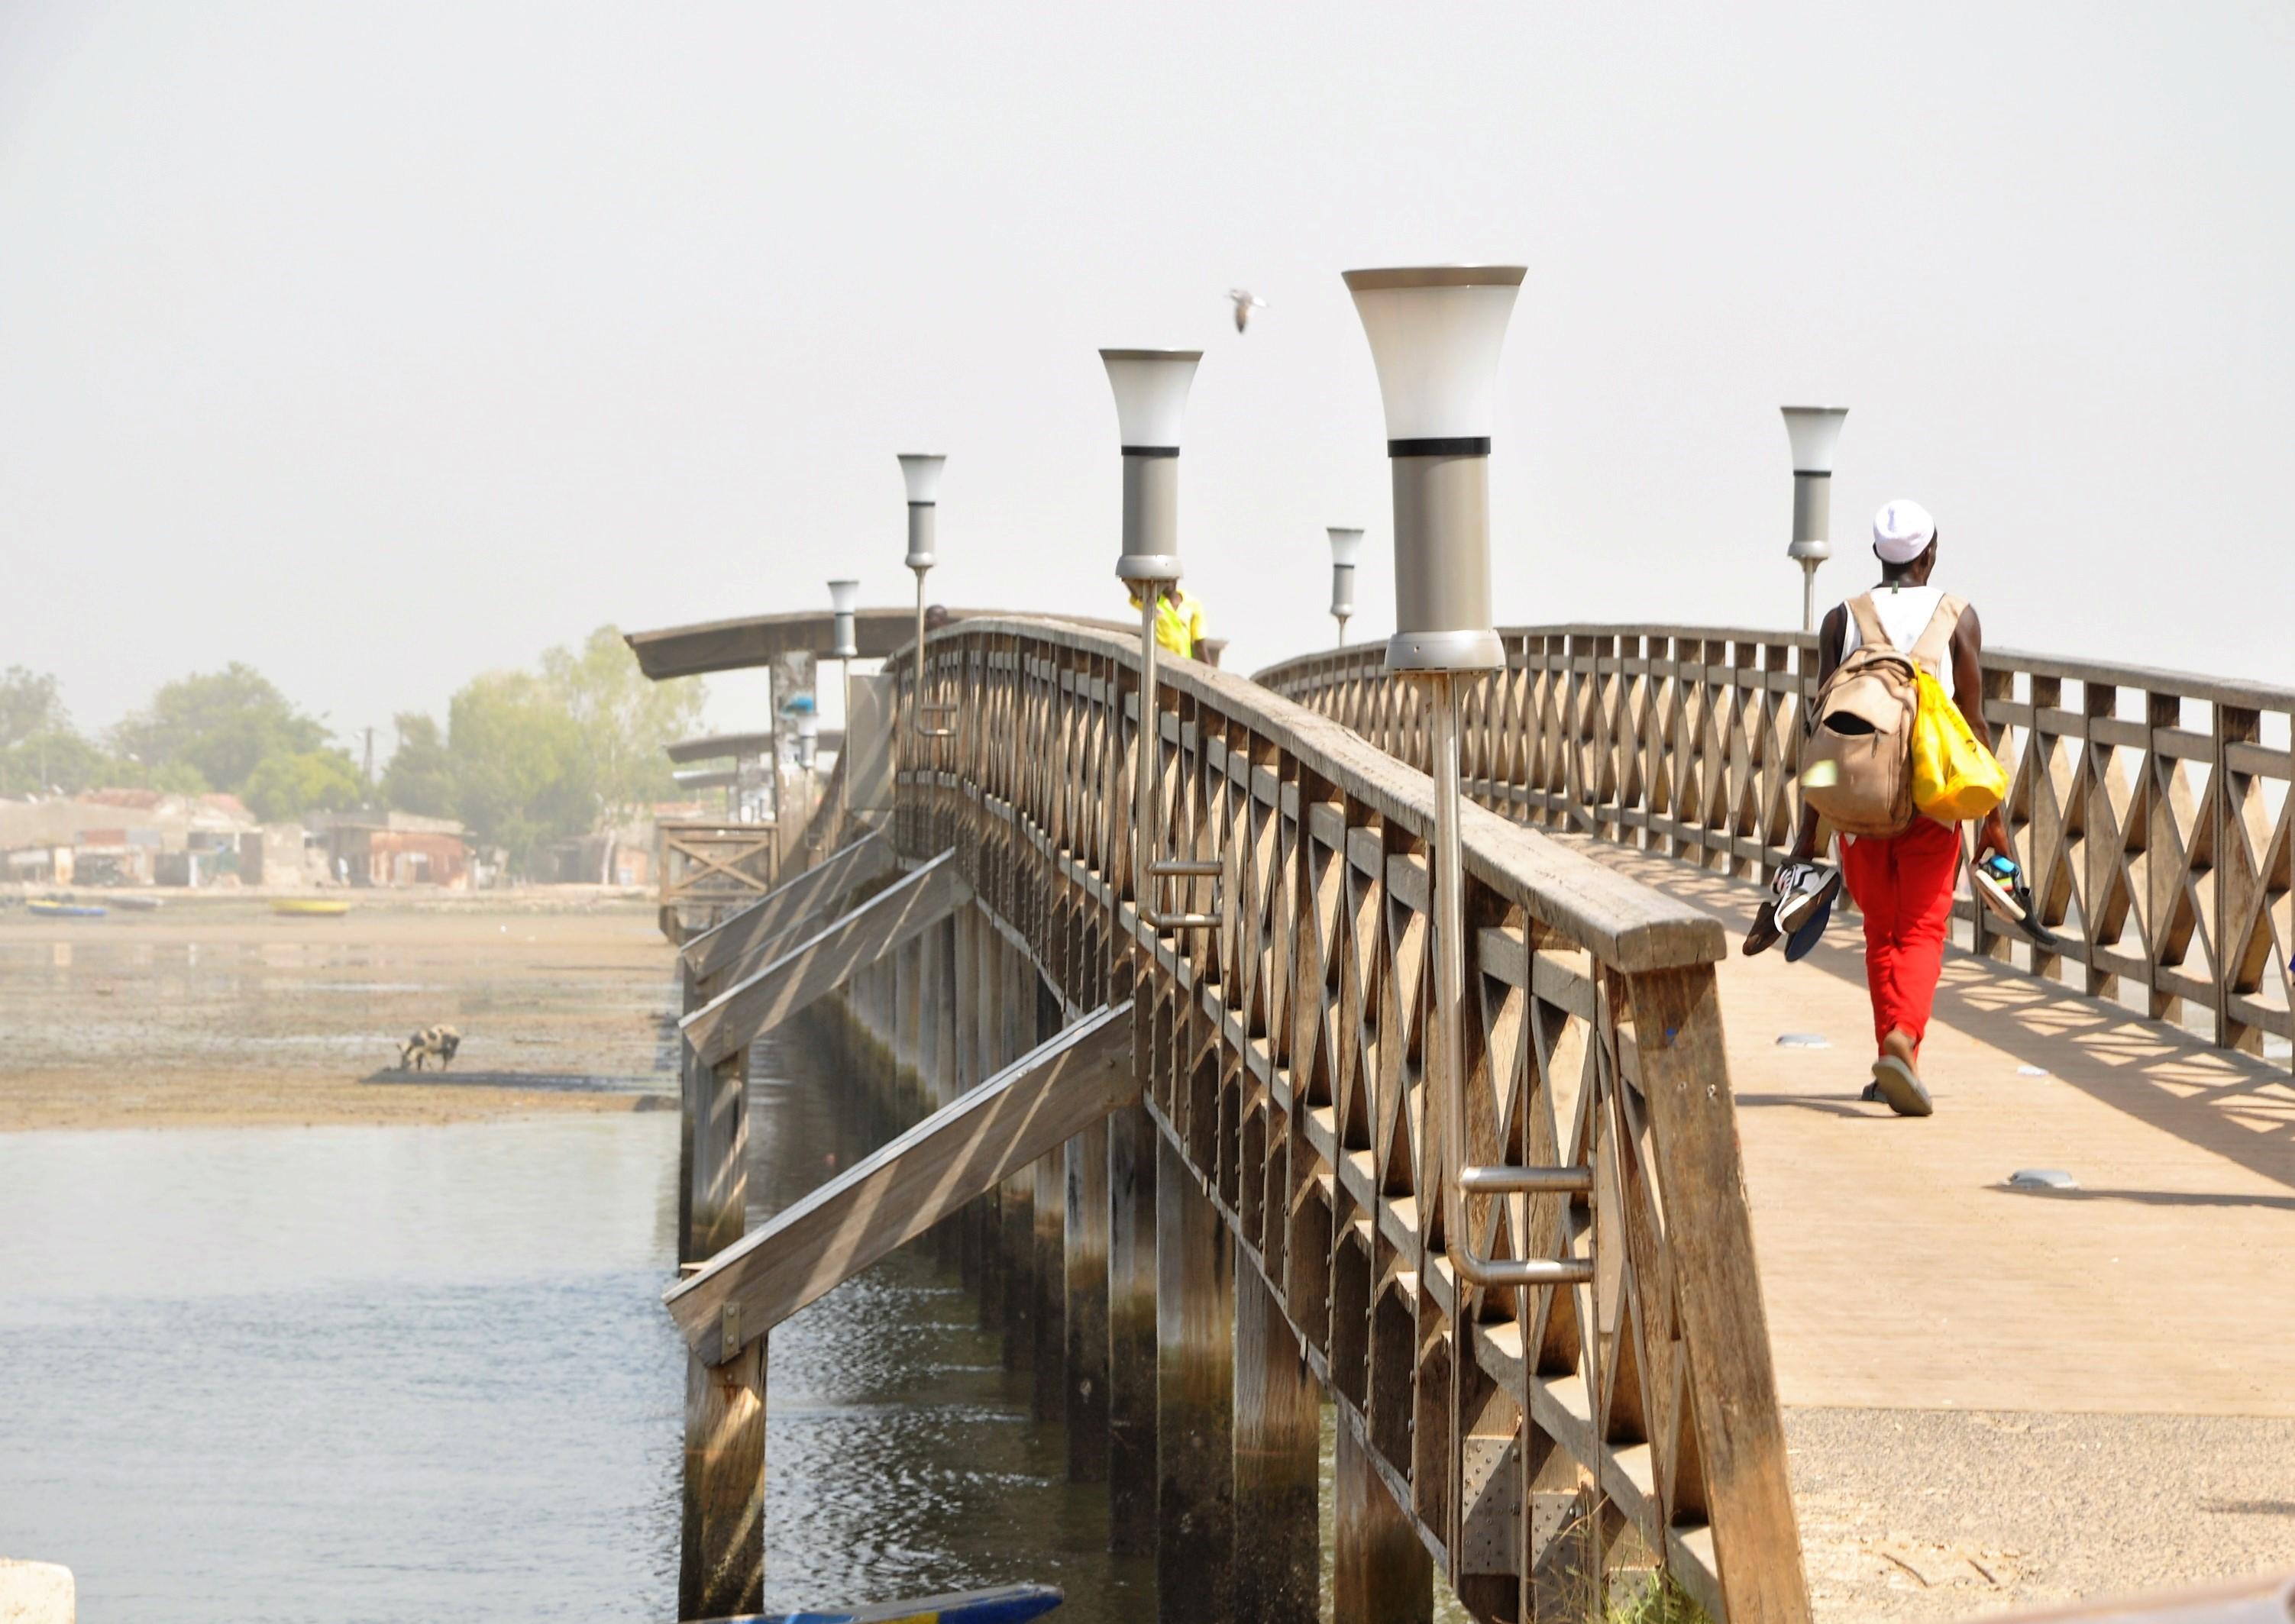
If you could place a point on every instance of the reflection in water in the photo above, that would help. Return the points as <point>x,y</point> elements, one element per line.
<point>413,1373</point>
<point>900,1456</point>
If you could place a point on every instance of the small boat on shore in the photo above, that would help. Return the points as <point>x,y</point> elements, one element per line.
<point>139,904</point>
<point>62,907</point>
<point>1004,1604</point>
<point>310,907</point>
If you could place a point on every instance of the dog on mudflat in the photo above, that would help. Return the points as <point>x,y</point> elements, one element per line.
<point>431,1043</point>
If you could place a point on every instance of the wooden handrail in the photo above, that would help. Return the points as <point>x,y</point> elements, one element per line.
<point>2151,809</point>
<point>1282,1065</point>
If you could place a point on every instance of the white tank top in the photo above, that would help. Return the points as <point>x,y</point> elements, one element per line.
<point>1904,613</point>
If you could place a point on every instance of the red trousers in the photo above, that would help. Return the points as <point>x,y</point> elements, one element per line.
<point>1903,887</point>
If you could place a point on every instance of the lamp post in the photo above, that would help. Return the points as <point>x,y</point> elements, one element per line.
<point>1435,332</point>
<point>845,647</point>
<point>1814,431</point>
<point>1346,547</point>
<point>922,472</point>
<point>1151,406</point>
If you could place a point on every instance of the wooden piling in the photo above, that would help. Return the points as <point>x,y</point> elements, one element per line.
<point>1277,1461</point>
<point>1048,1200</point>
<point>1131,1199</point>
<point>722,1556</point>
<point>1384,1575</point>
<point>1085,1313</point>
<point>718,1189</point>
<point>1194,1399</point>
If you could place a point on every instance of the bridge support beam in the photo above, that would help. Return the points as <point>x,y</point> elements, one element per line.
<point>1048,1273</point>
<point>1084,1243</point>
<point>1384,1575</point>
<point>1194,1399</point>
<point>721,1555</point>
<point>1277,1462</point>
<point>1131,1167</point>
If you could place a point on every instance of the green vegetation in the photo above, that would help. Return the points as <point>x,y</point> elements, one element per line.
<point>1660,1601</point>
<point>524,759</point>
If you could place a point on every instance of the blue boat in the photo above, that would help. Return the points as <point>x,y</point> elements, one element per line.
<point>1004,1604</point>
<point>60,908</point>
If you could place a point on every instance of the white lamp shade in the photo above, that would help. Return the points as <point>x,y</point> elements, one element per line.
<point>843,596</point>
<point>1435,334</point>
<point>1151,394</point>
<point>1346,545</point>
<point>922,473</point>
<point>1814,431</point>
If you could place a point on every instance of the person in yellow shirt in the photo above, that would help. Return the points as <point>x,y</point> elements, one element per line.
<point>1179,624</point>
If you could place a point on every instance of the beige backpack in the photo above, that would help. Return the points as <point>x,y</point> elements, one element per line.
<point>1857,763</point>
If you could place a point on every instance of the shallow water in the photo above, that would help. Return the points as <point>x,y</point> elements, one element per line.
<point>398,1372</point>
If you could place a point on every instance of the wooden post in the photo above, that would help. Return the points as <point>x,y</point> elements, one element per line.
<point>722,1560</point>
<point>1277,1461</point>
<point>1194,1399</point>
<point>1051,1359</point>
<point>944,1082</point>
<point>1084,1238</point>
<point>1132,1323</point>
<point>1384,1575</point>
<point>689,1092</point>
<point>719,1188</point>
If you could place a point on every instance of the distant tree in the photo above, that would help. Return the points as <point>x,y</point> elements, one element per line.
<point>222,724</point>
<point>522,770</point>
<point>627,720</point>
<point>30,704</point>
<point>55,761</point>
<point>287,784</point>
<point>421,776</point>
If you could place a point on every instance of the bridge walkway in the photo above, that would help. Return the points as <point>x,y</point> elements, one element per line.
<point>1993,1397</point>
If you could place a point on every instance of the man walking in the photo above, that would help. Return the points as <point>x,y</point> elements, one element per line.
<point>1178,620</point>
<point>1903,884</point>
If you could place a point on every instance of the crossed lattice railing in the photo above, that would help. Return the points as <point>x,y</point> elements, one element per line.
<point>2150,808</point>
<point>1283,1054</point>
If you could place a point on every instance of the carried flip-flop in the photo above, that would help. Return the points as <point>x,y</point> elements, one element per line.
<point>1765,933</point>
<point>2000,885</point>
<point>1803,912</point>
<point>1798,888</point>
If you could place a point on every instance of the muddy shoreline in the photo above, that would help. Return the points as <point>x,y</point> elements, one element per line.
<point>220,1012</point>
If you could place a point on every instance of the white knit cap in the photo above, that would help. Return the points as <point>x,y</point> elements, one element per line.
<point>1902,531</point>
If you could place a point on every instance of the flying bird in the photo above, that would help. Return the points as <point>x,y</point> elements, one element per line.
<point>1246,302</point>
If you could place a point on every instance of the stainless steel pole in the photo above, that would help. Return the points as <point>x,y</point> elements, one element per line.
<point>1450,918</point>
<point>1144,841</point>
<point>917,719</point>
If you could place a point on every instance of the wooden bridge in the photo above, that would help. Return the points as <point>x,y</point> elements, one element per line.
<point>1174,1128</point>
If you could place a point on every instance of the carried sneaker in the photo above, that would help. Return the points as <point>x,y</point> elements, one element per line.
<point>1804,909</point>
<point>1999,884</point>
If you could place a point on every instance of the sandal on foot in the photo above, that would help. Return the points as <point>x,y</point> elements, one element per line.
<point>1897,1086</point>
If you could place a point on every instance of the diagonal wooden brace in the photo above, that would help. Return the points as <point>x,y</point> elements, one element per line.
<point>729,950</point>
<point>966,1149</point>
<point>746,1011</point>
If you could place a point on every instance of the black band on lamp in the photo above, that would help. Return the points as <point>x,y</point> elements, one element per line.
<point>1465,446</point>
<point>1151,451</point>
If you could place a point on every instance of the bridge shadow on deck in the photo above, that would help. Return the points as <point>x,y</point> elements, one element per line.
<point>2233,1104</point>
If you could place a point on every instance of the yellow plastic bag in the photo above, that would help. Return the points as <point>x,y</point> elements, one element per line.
<point>1955,779</point>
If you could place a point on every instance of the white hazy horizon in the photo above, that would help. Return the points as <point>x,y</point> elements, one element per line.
<point>377,347</point>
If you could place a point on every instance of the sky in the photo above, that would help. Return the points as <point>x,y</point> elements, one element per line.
<point>377,346</point>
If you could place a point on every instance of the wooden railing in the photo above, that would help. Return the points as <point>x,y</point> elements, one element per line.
<point>1282,1055</point>
<point>2150,808</point>
<point>712,865</point>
